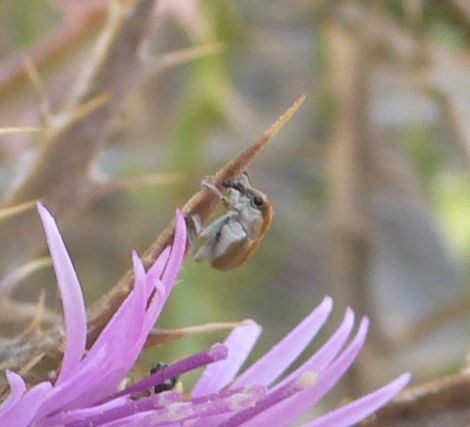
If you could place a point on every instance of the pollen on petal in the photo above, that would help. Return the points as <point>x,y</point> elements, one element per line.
<point>307,379</point>
<point>179,411</point>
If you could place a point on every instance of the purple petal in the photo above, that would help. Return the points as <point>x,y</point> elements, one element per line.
<point>65,394</point>
<point>338,368</point>
<point>118,328</point>
<point>165,285</point>
<point>136,314</point>
<point>240,343</point>
<point>17,389</point>
<point>126,325</point>
<point>327,352</point>
<point>178,250</point>
<point>71,295</point>
<point>295,405</point>
<point>125,409</point>
<point>214,354</point>
<point>305,381</point>
<point>121,319</point>
<point>172,265</point>
<point>83,413</point>
<point>155,271</point>
<point>358,410</point>
<point>151,315</point>
<point>123,331</point>
<point>110,376</point>
<point>154,310</point>
<point>131,421</point>
<point>209,405</point>
<point>25,410</point>
<point>282,355</point>
<point>118,322</point>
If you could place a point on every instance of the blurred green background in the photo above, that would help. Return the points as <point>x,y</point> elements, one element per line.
<point>369,181</point>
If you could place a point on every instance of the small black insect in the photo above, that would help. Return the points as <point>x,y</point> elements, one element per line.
<point>166,385</point>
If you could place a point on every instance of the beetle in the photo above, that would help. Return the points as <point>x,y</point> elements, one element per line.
<point>232,238</point>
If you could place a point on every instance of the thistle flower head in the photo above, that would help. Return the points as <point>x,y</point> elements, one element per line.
<point>86,391</point>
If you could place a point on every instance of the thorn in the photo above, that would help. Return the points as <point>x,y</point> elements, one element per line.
<point>12,129</point>
<point>10,211</point>
<point>87,108</point>
<point>37,319</point>
<point>161,336</point>
<point>38,86</point>
<point>282,121</point>
<point>31,364</point>
<point>11,280</point>
<point>165,61</point>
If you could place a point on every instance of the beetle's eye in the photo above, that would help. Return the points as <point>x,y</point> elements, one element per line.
<point>258,201</point>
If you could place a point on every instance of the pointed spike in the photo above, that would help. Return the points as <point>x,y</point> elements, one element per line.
<point>282,121</point>
<point>10,211</point>
<point>12,129</point>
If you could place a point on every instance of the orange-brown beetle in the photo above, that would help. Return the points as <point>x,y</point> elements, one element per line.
<point>233,238</point>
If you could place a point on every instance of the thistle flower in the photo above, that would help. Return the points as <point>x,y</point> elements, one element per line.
<point>287,399</point>
<point>86,390</point>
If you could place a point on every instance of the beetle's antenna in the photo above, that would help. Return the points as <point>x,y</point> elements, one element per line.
<point>247,176</point>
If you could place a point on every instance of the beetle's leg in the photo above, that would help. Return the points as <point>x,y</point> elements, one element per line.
<point>209,234</point>
<point>194,222</point>
<point>214,227</point>
<point>204,251</point>
<point>194,227</point>
<point>207,183</point>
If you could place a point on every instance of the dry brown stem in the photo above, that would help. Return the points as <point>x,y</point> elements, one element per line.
<point>161,336</point>
<point>348,166</point>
